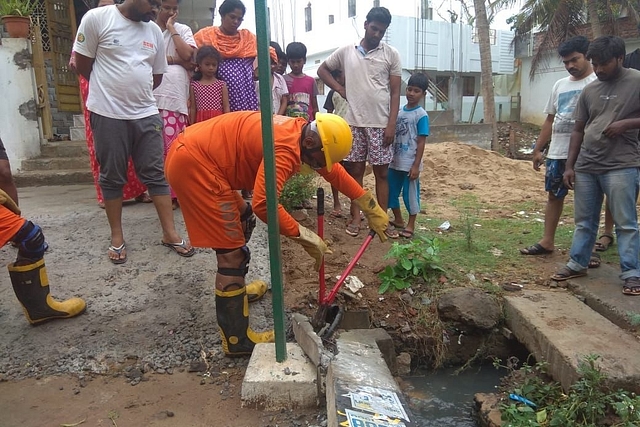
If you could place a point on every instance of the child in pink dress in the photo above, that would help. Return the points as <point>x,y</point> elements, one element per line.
<point>209,97</point>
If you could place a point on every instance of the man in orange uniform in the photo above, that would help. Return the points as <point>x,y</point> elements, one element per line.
<point>210,160</point>
<point>28,273</point>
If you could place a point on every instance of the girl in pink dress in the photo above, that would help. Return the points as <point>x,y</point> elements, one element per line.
<point>209,96</point>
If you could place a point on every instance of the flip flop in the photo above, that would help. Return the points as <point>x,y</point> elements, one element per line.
<point>118,251</point>
<point>398,226</point>
<point>594,261</point>
<point>536,249</point>
<point>336,214</point>
<point>391,233</point>
<point>631,286</point>
<point>601,246</point>
<point>182,245</point>
<point>144,198</point>
<point>406,234</point>
<point>352,230</point>
<point>565,273</point>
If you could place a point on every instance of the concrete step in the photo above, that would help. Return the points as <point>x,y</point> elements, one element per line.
<point>55,163</point>
<point>559,328</point>
<point>64,149</point>
<point>53,177</point>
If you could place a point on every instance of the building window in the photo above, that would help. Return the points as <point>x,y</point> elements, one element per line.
<point>331,19</point>
<point>376,3</point>
<point>307,17</point>
<point>352,8</point>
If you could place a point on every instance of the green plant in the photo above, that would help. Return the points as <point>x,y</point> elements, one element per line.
<point>587,403</point>
<point>297,190</point>
<point>416,259</point>
<point>634,318</point>
<point>17,7</point>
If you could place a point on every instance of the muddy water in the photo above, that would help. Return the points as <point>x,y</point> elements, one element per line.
<point>443,399</point>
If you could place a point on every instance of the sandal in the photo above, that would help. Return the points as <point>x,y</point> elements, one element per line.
<point>601,246</point>
<point>394,225</point>
<point>391,233</point>
<point>118,250</point>
<point>144,198</point>
<point>631,286</point>
<point>352,230</point>
<point>536,249</point>
<point>594,261</point>
<point>406,234</point>
<point>565,273</point>
<point>182,245</point>
<point>336,213</point>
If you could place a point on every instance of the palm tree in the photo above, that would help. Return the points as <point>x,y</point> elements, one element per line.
<point>486,72</point>
<point>558,20</point>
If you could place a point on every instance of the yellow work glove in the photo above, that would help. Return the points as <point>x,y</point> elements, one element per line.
<point>8,203</point>
<point>313,244</point>
<point>377,218</point>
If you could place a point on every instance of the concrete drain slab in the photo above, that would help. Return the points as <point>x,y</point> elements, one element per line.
<point>559,328</point>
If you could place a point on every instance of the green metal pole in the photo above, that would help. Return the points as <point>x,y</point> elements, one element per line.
<point>264,72</point>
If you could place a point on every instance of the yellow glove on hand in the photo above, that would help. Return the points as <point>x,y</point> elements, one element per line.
<point>8,203</point>
<point>377,218</point>
<point>313,244</point>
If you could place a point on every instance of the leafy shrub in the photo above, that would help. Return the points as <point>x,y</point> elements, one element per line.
<point>297,190</point>
<point>417,259</point>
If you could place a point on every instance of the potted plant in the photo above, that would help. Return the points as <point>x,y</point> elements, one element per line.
<point>16,16</point>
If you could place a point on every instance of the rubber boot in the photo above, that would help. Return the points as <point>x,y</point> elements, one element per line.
<point>256,290</point>
<point>232,311</point>
<point>31,286</point>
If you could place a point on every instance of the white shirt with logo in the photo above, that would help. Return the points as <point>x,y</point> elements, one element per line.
<point>562,103</point>
<point>127,54</point>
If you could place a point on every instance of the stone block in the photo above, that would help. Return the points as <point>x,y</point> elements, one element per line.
<point>77,133</point>
<point>273,386</point>
<point>78,121</point>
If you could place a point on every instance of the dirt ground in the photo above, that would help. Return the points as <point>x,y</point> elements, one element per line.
<point>147,352</point>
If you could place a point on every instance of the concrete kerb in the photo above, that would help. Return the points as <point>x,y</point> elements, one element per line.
<point>560,329</point>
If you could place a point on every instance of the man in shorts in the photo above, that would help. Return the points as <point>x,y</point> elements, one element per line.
<point>557,127</point>
<point>373,71</point>
<point>121,52</point>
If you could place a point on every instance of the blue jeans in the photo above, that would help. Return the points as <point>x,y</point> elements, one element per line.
<point>621,188</point>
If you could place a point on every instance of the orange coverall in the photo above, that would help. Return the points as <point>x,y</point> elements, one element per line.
<point>210,160</point>
<point>10,224</point>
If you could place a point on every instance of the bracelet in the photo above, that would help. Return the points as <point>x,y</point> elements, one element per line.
<point>175,34</point>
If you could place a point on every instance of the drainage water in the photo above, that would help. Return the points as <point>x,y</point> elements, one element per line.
<point>443,399</point>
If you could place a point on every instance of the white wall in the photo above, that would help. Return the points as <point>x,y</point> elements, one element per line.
<point>535,94</point>
<point>20,135</point>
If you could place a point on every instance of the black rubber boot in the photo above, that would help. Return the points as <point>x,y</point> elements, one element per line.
<point>232,311</point>
<point>31,286</point>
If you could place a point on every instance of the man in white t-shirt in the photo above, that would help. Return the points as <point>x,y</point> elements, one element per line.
<point>557,127</point>
<point>122,55</point>
<point>372,71</point>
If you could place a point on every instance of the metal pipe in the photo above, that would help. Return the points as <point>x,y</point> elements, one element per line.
<point>273,227</point>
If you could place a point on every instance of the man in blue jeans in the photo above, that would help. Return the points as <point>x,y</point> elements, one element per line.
<point>604,159</point>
